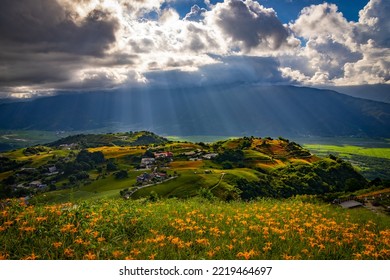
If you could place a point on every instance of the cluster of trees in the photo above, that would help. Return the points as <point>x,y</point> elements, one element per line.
<point>99,140</point>
<point>34,150</point>
<point>85,161</point>
<point>296,150</point>
<point>230,158</point>
<point>7,164</point>
<point>326,176</point>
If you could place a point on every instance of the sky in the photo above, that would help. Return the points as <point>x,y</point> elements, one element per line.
<point>48,46</point>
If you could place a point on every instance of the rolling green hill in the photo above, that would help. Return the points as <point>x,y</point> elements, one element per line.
<point>111,139</point>
<point>242,198</point>
<point>107,165</point>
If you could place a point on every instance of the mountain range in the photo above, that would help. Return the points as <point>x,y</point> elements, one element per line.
<point>235,109</point>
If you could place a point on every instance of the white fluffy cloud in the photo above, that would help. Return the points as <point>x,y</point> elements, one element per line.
<point>341,52</point>
<point>196,13</point>
<point>49,45</point>
<point>374,23</point>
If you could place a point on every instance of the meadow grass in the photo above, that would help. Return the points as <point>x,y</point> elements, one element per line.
<point>117,152</point>
<point>191,229</point>
<point>37,159</point>
<point>253,154</point>
<point>244,173</point>
<point>186,185</point>
<point>348,150</point>
<point>106,187</point>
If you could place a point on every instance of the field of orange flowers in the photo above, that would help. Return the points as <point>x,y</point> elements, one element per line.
<point>191,229</point>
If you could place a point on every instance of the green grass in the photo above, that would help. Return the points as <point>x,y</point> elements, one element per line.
<point>245,173</point>
<point>350,150</point>
<point>252,154</point>
<point>192,229</point>
<point>102,188</point>
<point>370,156</point>
<point>37,159</point>
<point>186,185</point>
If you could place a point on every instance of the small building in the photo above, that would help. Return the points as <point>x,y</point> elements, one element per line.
<point>351,204</point>
<point>52,169</point>
<point>145,177</point>
<point>163,155</point>
<point>20,186</point>
<point>147,162</point>
<point>160,176</point>
<point>37,185</point>
<point>210,156</point>
<point>71,146</point>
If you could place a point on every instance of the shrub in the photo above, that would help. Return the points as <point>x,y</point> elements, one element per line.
<point>122,174</point>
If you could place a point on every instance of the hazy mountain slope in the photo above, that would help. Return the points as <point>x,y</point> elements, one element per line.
<point>379,93</point>
<point>225,110</point>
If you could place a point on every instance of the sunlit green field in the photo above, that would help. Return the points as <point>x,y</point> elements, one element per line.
<point>370,156</point>
<point>191,229</point>
<point>348,150</point>
<point>36,159</point>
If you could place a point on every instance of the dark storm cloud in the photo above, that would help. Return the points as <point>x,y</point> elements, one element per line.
<point>47,27</point>
<point>43,43</point>
<point>251,24</point>
<point>35,68</point>
<point>232,69</point>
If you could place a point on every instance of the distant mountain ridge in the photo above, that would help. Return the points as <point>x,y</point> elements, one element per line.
<point>219,110</point>
<point>379,93</point>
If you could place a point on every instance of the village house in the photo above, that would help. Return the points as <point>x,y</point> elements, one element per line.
<point>160,176</point>
<point>147,162</point>
<point>37,185</point>
<point>71,146</point>
<point>195,159</point>
<point>155,176</point>
<point>20,186</point>
<point>210,156</point>
<point>145,177</point>
<point>163,155</point>
<point>52,169</point>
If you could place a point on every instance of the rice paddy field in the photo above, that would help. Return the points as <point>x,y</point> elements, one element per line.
<point>190,229</point>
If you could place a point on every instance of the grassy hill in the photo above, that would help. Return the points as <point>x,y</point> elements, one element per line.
<point>241,198</point>
<point>111,139</point>
<point>95,166</point>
